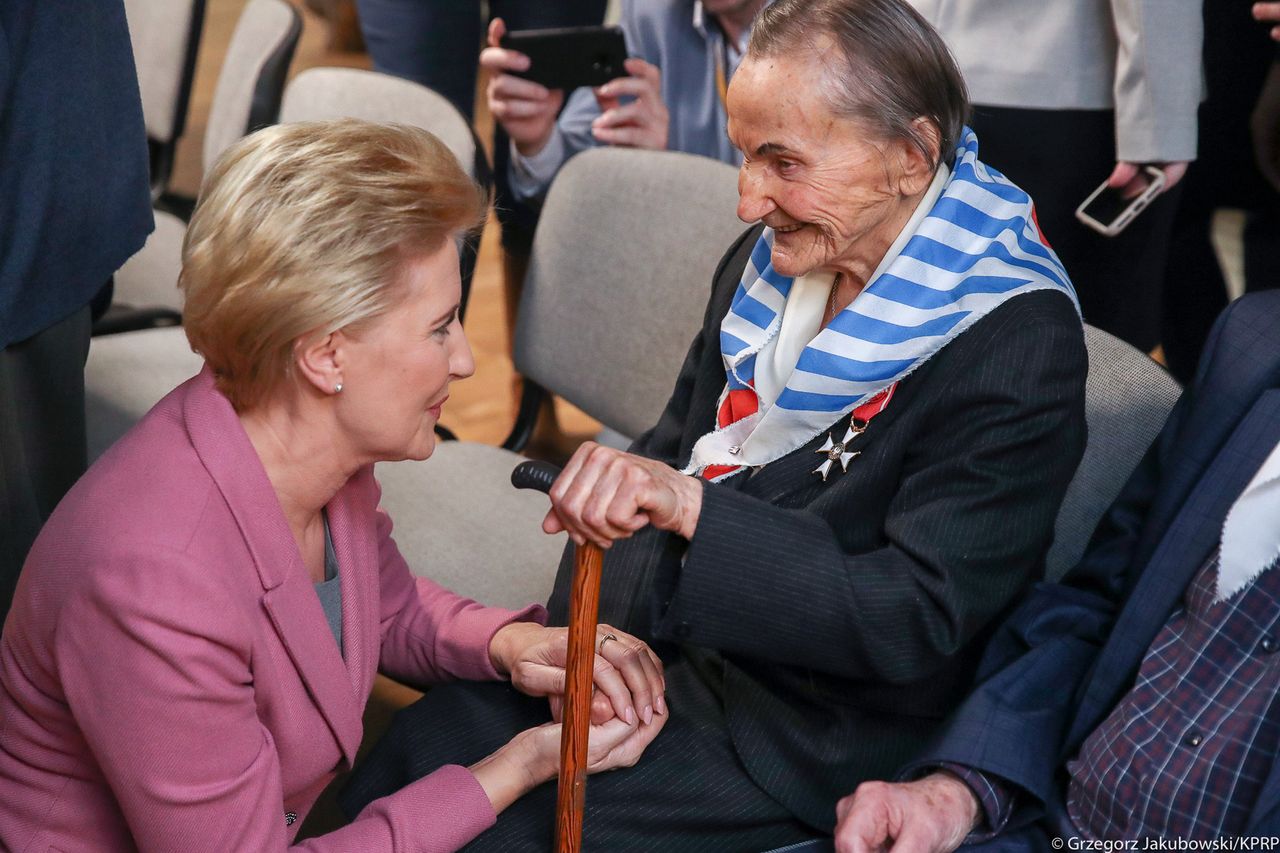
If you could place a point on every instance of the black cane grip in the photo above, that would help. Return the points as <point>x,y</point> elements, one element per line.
<point>535,475</point>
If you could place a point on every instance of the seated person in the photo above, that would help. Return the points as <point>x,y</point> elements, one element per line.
<point>1136,698</point>
<point>682,57</point>
<point>198,625</point>
<point>857,473</point>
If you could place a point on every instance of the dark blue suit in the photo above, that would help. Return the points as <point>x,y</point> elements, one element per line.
<point>75,203</point>
<point>1071,651</point>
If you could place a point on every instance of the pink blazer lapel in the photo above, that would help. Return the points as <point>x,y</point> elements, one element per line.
<point>288,595</point>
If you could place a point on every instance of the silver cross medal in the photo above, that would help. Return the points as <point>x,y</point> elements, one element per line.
<point>837,452</point>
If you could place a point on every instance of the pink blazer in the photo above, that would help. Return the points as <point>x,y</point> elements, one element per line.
<point>167,677</point>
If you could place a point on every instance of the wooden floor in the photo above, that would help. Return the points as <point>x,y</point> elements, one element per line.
<point>481,408</point>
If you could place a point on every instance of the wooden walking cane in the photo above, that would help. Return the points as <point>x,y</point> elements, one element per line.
<point>584,602</point>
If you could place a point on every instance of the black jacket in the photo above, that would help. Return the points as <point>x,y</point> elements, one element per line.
<point>850,614</point>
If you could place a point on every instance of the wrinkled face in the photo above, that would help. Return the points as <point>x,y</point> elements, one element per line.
<point>397,369</point>
<point>819,180</point>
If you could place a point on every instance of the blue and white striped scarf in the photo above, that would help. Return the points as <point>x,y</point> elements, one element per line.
<point>978,246</point>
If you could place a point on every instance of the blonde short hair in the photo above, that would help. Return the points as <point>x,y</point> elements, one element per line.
<point>303,228</point>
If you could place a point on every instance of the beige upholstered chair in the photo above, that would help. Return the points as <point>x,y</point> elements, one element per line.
<point>329,93</point>
<point>251,82</point>
<point>166,38</point>
<point>1127,400</point>
<point>247,97</point>
<point>326,93</point>
<point>127,374</point>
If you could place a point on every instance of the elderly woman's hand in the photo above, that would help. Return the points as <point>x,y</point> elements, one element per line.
<point>605,494</point>
<point>627,674</point>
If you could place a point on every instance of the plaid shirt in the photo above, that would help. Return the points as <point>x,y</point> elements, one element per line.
<point>1186,751</point>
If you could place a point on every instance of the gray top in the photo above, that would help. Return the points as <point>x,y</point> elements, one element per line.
<point>330,589</point>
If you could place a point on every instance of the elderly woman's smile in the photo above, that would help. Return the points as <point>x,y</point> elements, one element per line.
<point>834,194</point>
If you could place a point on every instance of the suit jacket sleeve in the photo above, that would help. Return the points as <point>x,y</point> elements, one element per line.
<point>1014,723</point>
<point>1158,79</point>
<point>158,668</point>
<point>965,532</point>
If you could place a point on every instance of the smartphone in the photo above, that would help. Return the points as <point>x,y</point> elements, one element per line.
<point>1108,212</point>
<point>570,57</point>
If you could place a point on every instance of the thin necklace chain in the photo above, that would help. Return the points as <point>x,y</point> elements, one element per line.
<point>835,287</point>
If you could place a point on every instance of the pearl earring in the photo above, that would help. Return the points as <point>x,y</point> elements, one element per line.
<point>337,389</point>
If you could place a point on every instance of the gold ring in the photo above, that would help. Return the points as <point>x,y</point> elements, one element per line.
<point>606,638</point>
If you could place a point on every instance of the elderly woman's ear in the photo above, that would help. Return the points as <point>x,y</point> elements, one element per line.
<point>917,166</point>
<point>319,360</point>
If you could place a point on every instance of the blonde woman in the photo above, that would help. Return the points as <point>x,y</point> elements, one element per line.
<point>198,625</point>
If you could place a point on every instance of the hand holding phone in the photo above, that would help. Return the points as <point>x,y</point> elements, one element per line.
<point>569,57</point>
<point>642,122</point>
<point>1108,210</point>
<point>526,110</point>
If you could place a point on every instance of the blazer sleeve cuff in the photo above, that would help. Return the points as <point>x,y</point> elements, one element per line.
<point>487,623</point>
<point>443,811</point>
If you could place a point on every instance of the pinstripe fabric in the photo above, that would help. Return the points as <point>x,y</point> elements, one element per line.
<point>840,621</point>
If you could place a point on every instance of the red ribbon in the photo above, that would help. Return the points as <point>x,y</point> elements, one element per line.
<point>743,402</point>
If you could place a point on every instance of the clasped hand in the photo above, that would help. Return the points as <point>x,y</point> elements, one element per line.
<point>628,706</point>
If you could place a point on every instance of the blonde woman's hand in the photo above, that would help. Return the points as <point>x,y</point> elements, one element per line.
<point>627,674</point>
<point>533,756</point>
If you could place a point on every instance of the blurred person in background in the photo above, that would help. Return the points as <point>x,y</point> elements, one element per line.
<point>75,204</point>
<point>682,55</point>
<point>436,42</point>
<point>1239,125</point>
<point>1069,93</point>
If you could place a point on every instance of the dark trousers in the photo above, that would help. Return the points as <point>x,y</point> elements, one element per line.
<point>1059,157</point>
<point>42,435</point>
<point>689,792</point>
<point>437,43</point>
<point>1237,56</point>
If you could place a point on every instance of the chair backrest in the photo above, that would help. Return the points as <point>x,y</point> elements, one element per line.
<point>326,93</point>
<point>620,276</point>
<point>126,374</point>
<point>149,279</point>
<point>251,82</point>
<point>166,38</point>
<point>1127,400</point>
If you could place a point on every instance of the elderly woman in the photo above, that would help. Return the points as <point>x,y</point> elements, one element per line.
<point>198,626</point>
<point>858,470</point>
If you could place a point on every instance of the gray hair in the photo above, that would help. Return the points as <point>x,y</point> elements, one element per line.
<point>896,67</point>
